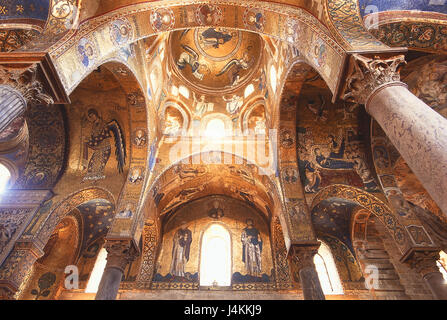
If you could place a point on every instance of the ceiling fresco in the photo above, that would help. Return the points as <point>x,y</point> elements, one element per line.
<point>150,84</point>
<point>331,143</point>
<point>13,39</point>
<point>333,217</point>
<point>215,58</point>
<point>97,216</point>
<point>24,9</point>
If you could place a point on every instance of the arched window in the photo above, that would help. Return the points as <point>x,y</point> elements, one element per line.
<point>215,261</point>
<point>215,129</point>
<point>327,271</point>
<point>5,175</point>
<point>98,270</point>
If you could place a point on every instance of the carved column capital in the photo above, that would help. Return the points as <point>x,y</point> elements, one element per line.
<point>303,256</point>
<point>26,82</point>
<point>424,262</point>
<point>303,267</point>
<point>368,75</point>
<point>120,253</point>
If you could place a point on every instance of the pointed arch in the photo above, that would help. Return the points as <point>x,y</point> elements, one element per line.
<point>372,204</point>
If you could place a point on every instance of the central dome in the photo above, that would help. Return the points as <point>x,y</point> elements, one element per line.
<point>215,59</point>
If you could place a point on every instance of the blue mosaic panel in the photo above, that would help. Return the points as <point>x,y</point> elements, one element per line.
<point>392,5</point>
<point>24,9</point>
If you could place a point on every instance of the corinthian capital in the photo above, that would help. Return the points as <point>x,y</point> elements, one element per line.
<point>120,253</point>
<point>369,74</point>
<point>424,262</point>
<point>303,256</point>
<point>25,81</point>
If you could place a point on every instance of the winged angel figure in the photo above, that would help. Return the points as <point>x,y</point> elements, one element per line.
<point>235,66</point>
<point>99,142</point>
<point>191,58</point>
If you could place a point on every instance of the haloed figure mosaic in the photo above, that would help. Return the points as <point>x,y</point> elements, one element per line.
<point>251,249</point>
<point>99,141</point>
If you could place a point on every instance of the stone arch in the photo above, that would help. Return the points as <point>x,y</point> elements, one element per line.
<point>291,20</point>
<point>256,178</point>
<point>369,202</point>
<point>48,272</point>
<point>67,205</point>
<point>197,217</point>
<point>137,125</point>
<point>185,113</point>
<point>345,21</point>
<point>251,105</point>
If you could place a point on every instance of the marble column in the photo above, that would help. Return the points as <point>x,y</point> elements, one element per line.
<point>19,87</point>
<point>302,262</point>
<point>12,105</point>
<point>425,263</point>
<point>417,131</point>
<point>119,255</point>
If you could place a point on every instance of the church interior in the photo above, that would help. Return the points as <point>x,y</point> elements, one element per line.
<point>212,150</point>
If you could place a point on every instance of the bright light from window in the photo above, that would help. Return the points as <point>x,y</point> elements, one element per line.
<point>215,264</point>
<point>184,91</point>
<point>249,90</point>
<point>98,270</point>
<point>327,271</point>
<point>215,129</point>
<point>5,175</point>
<point>442,264</point>
<point>174,91</point>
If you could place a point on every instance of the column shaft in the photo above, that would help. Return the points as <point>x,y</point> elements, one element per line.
<point>425,263</point>
<point>419,134</point>
<point>302,263</point>
<point>12,105</point>
<point>119,254</point>
<point>110,283</point>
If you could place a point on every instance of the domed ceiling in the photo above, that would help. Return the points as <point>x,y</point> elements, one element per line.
<point>215,59</point>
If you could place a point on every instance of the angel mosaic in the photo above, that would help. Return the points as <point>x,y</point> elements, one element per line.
<point>99,141</point>
<point>233,104</point>
<point>233,68</point>
<point>318,108</point>
<point>201,106</point>
<point>162,19</point>
<point>191,58</point>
